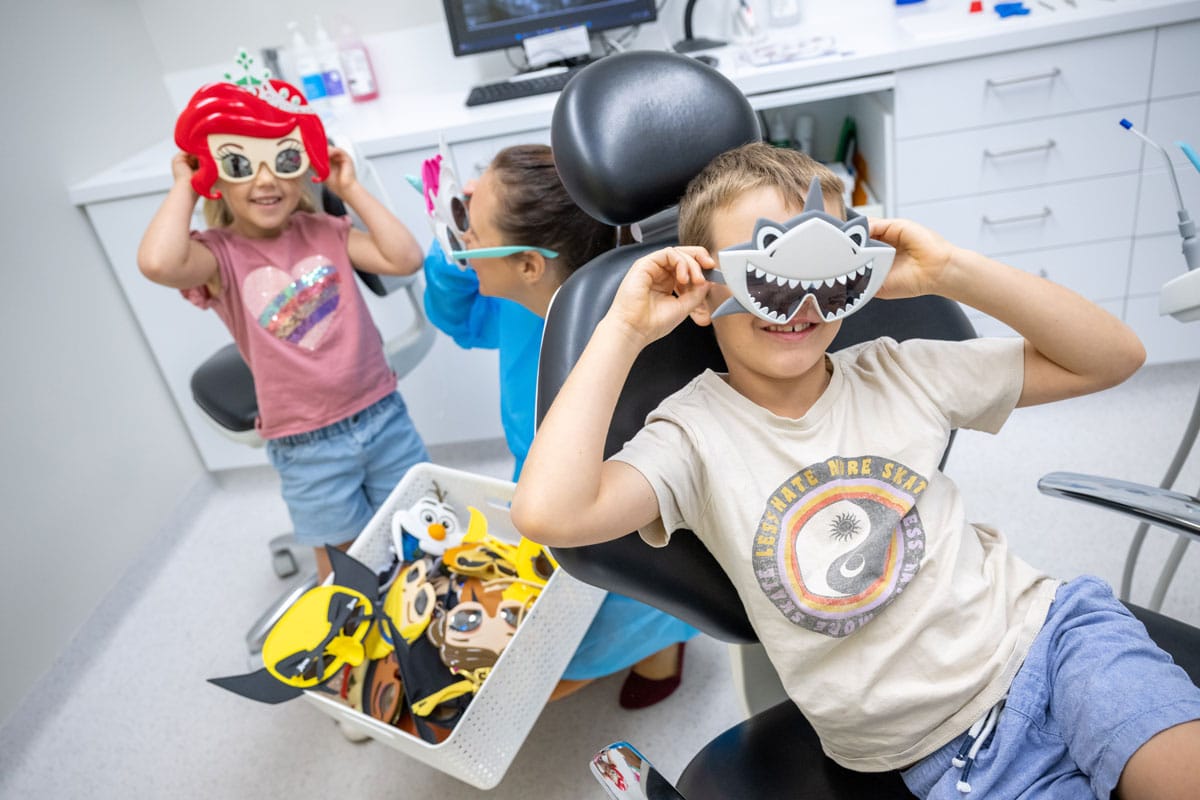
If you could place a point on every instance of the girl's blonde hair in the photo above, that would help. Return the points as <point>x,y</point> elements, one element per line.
<point>751,166</point>
<point>218,215</point>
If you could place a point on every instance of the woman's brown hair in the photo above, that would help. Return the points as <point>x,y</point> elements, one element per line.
<point>535,209</point>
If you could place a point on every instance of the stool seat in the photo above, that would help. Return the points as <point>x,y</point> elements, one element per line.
<point>224,389</point>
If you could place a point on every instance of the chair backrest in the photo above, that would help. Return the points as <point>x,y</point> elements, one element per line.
<point>628,134</point>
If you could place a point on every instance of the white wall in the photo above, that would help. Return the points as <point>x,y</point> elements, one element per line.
<point>189,35</point>
<point>95,456</point>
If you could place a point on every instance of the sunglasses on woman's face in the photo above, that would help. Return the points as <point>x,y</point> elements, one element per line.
<point>460,223</point>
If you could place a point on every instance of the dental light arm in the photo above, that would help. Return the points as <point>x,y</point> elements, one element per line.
<point>1180,296</point>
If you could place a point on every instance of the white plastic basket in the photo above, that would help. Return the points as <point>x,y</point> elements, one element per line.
<point>486,739</point>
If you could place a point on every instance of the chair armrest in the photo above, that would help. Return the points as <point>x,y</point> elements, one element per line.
<point>1164,508</point>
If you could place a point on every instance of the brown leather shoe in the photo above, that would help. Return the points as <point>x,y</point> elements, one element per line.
<point>639,692</point>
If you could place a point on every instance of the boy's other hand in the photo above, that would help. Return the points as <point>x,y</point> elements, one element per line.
<point>341,172</point>
<point>660,290</point>
<point>922,258</point>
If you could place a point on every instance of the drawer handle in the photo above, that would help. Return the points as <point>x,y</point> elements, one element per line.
<point>1041,76</point>
<point>1016,151</point>
<point>1045,212</point>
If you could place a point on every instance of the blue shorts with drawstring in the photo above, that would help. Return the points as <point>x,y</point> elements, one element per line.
<point>1092,690</point>
<point>336,477</point>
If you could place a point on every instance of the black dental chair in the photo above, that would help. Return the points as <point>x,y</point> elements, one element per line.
<point>628,133</point>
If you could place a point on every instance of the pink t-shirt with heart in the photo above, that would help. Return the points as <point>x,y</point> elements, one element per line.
<point>293,306</point>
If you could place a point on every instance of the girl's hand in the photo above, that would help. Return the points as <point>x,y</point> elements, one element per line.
<point>660,290</point>
<point>183,167</point>
<point>922,257</point>
<point>342,176</point>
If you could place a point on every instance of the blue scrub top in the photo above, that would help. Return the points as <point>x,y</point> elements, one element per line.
<point>624,630</point>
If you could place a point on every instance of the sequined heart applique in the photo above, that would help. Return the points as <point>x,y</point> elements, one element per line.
<point>295,307</point>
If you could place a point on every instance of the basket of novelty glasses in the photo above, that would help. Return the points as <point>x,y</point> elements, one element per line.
<point>441,633</point>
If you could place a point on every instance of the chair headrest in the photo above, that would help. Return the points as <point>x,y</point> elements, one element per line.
<point>632,129</point>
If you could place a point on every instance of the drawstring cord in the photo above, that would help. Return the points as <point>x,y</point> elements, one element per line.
<point>977,736</point>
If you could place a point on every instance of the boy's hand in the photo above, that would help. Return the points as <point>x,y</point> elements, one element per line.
<point>342,176</point>
<point>922,258</point>
<point>660,290</point>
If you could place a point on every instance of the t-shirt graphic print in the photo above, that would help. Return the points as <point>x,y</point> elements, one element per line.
<point>839,540</point>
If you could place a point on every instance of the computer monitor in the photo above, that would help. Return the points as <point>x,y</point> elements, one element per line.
<point>477,26</point>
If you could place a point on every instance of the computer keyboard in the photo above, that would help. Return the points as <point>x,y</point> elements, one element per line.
<point>520,87</point>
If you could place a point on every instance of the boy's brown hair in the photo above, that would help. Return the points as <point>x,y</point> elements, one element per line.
<point>748,167</point>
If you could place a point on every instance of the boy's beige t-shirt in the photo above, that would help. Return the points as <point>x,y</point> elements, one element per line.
<point>893,622</point>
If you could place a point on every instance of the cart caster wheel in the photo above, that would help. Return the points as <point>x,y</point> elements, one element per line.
<point>284,564</point>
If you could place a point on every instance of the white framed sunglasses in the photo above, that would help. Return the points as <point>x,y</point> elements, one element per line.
<point>449,214</point>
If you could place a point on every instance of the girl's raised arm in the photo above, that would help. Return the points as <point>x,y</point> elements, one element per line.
<point>167,253</point>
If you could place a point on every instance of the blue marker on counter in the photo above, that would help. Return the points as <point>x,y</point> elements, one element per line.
<point>1011,10</point>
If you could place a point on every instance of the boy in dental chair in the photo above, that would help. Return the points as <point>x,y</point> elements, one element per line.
<point>910,638</point>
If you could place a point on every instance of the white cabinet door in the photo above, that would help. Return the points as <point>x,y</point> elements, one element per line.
<point>453,395</point>
<point>1175,120</point>
<point>471,158</point>
<point>1177,60</point>
<point>1096,270</point>
<point>1166,338</point>
<point>1158,208</point>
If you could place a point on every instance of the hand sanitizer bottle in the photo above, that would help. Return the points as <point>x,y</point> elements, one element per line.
<point>356,61</point>
<point>308,74</point>
<point>330,65</point>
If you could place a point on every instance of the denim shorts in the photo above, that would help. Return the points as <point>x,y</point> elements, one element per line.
<point>1092,690</point>
<point>335,478</point>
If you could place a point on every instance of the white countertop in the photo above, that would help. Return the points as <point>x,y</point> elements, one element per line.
<point>873,38</point>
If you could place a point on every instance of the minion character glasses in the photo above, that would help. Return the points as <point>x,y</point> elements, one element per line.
<point>326,629</point>
<point>815,254</point>
<point>449,213</point>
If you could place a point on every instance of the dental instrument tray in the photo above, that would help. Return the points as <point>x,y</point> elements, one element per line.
<point>485,740</point>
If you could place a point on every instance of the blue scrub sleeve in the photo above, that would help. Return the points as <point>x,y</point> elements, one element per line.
<point>455,306</point>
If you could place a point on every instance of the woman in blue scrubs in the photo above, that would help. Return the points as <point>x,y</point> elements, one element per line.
<point>522,237</point>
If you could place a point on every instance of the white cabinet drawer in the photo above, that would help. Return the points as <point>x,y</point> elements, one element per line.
<point>1033,219</point>
<point>1171,121</point>
<point>1096,270</point>
<point>1156,260</point>
<point>1166,338</point>
<point>1014,156</point>
<point>472,158</point>
<point>1039,82</point>
<point>1157,204</point>
<point>1177,60</point>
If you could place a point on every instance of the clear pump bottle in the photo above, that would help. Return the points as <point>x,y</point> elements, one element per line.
<point>356,61</point>
<point>304,61</point>
<point>330,64</point>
